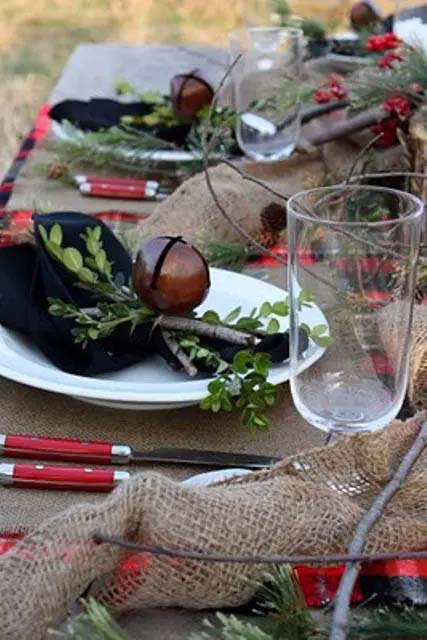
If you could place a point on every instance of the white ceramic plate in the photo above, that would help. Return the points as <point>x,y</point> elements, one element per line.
<point>150,384</point>
<point>209,477</point>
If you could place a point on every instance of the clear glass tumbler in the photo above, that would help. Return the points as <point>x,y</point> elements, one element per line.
<point>353,251</point>
<point>267,124</point>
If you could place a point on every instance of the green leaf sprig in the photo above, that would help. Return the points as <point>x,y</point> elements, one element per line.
<point>243,383</point>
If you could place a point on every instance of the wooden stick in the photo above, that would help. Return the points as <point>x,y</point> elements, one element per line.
<point>366,523</point>
<point>192,325</point>
<point>360,155</point>
<point>322,109</point>
<point>179,354</point>
<point>346,127</point>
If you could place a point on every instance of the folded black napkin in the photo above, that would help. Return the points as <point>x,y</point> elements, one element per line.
<point>29,276</point>
<point>102,113</point>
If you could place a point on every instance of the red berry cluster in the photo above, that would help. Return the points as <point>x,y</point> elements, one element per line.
<point>388,130</point>
<point>385,62</point>
<point>333,90</point>
<point>397,105</point>
<point>383,42</point>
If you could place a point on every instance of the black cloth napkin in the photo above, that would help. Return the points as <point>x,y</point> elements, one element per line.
<point>103,113</point>
<point>29,276</point>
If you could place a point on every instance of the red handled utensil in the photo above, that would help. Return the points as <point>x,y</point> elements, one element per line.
<point>127,182</point>
<point>99,452</point>
<point>43,476</point>
<point>105,190</point>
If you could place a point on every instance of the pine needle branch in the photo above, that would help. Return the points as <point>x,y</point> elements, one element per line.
<point>94,622</point>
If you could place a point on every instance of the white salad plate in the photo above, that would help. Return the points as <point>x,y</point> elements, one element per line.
<point>151,384</point>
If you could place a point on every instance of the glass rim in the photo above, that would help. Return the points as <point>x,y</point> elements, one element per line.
<point>417,202</point>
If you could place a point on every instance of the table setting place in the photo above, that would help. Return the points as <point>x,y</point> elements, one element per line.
<point>213,338</point>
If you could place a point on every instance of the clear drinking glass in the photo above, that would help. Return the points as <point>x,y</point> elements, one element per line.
<point>267,127</point>
<point>355,249</point>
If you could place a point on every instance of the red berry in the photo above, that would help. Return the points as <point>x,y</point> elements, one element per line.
<point>383,42</point>
<point>387,59</point>
<point>321,95</point>
<point>397,104</point>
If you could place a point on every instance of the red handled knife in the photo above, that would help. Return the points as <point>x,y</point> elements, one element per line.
<point>99,452</point>
<point>44,476</point>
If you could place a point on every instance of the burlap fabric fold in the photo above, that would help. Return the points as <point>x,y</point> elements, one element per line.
<point>309,503</point>
<point>417,389</point>
<point>192,212</point>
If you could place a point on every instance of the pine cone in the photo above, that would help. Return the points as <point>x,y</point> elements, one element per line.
<point>273,217</point>
<point>56,169</point>
<point>267,238</point>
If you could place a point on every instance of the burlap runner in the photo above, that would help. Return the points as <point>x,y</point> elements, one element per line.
<point>309,503</point>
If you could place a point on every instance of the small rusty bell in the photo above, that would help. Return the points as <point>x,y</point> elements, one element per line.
<point>170,275</point>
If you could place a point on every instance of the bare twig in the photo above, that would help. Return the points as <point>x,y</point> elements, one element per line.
<point>369,519</point>
<point>240,230</point>
<point>258,181</point>
<point>360,155</point>
<point>220,87</point>
<point>192,325</point>
<point>179,354</point>
<point>199,327</point>
<point>389,174</point>
<point>206,146</point>
<point>322,559</point>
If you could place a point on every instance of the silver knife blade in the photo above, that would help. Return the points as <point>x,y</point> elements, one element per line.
<point>204,458</point>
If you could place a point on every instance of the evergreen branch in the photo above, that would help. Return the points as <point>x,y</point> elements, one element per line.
<point>387,623</point>
<point>281,613</point>
<point>229,255</point>
<point>368,520</point>
<point>117,144</point>
<point>94,622</point>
